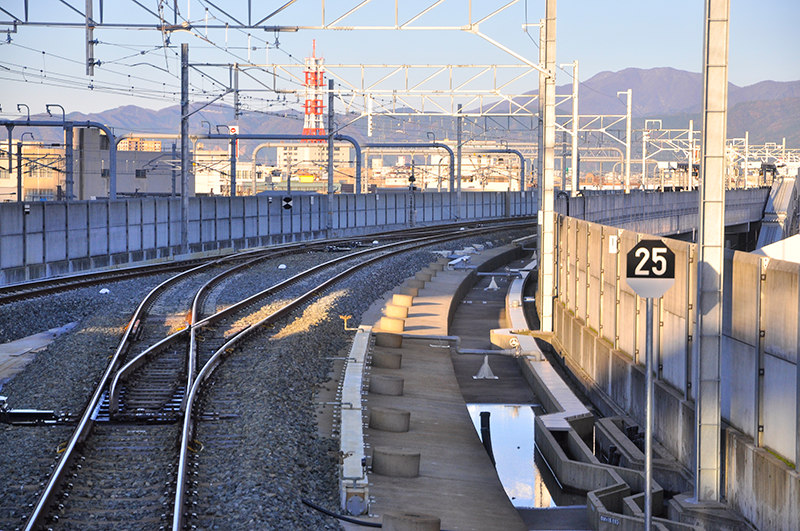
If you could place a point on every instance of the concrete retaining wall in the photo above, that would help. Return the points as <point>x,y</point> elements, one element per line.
<point>44,239</point>
<point>599,327</point>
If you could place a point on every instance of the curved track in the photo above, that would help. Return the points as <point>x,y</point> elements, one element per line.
<point>134,465</point>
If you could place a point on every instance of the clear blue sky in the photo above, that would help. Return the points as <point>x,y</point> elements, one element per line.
<point>45,65</point>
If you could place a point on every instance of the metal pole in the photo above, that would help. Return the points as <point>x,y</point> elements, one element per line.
<point>234,143</point>
<point>19,170</point>
<point>233,167</point>
<point>547,182</point>
<point>10,128</point>
<point>174,172</point>
<point>711,256</point>
<point>331,134</point>
<point>691,155</point>
<point>746,155</point>
<point>575,119</point>
<point>184,148</point>
<point>458,162</point>
<point>644,158</point>
<point>627,141</point>
<point>648,448</point>
<point>540,130</point>
<point>69,181</point>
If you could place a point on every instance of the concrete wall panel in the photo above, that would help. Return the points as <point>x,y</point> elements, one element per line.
<point>572,255</point>
<point>594,267</point>
<point>134,225</point>
<point>10,219</point>
<point>739,366</point>
<point>780,406</point>
<point>581,263</point>
<point>782,291</point>
<point>673,350</point>
<point>56,244</point>
<point>741,323</point>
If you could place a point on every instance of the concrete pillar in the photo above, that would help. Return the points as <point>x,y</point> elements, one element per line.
<point>395,462</point>
<point>389,324</point>
<point>387,360</point>
<point>546,226</point>
<point>385,339</point>
<point>711,247</point>
<point>389,419</point>
<point>410,522</point>
<point>399,299</point>
<point>407,290</point>
<point>396,312</point>
<point>382,384</point>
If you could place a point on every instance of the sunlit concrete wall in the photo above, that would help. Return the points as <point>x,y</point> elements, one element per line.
<point>43,239</point>
<point>600,331</point>
<point>659,213</point>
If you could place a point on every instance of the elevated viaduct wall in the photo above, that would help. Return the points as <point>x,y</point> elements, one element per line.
<point>43,239</point>
<point>599,327</point>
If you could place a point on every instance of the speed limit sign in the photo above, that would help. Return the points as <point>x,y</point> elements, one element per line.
<point>651,268</point>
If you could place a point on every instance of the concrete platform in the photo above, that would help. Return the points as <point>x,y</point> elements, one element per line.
<point>457,481</point>
<point>14,355</point>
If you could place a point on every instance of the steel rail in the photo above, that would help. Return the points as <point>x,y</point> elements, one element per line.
<point>86,421</point>
<point>227,348</point>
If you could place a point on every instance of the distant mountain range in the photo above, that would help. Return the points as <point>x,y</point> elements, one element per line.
<point>769,110</point>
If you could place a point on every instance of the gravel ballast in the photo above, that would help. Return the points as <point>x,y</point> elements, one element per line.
<point>270,383</point>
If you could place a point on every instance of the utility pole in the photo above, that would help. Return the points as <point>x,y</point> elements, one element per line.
<point>10,128</point>
<point>628,93</point>
<point>575,119</point>
<point>331,132</point>
<point>90,42</point>
<point>691,155</point>
<point>234,143</point>
<point>459,125</point>
<point>69,181</point>
<point>540,130</point>
<point>711,253</point>
<point>184,148</point>
<point>19,170</point>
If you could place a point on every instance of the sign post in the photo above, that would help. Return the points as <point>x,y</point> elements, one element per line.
<point>650,272</point>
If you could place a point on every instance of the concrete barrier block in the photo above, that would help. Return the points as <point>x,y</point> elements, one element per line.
<point>399,299</point>
<point>429,271</point>
<point>389,419</point>
<point>415,283</point>
<point>389,324</point>
<point>387,360</point>
<point>436,266</point>
<point>409,291</point>
<point>385,339</point>
<point>396,312</point>
<point>425,277</point>
<point>395,462</point>
<point>410,522</point>
<point>381,384</point>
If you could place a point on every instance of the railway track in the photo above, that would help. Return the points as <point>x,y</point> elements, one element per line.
<point>129,458</point>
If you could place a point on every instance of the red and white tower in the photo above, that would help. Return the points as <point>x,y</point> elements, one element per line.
<point>315,84</point>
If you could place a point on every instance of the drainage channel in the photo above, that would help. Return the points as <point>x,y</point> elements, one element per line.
<point>525,475</point>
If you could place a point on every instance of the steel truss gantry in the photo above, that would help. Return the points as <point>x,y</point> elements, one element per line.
<point>486,87</point>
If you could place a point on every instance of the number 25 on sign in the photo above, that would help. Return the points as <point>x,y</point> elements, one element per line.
<point>650,268</point>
